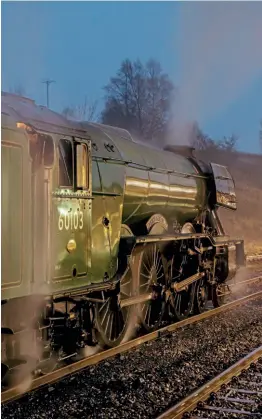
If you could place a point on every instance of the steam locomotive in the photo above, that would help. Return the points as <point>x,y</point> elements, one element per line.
<point>100,231</point>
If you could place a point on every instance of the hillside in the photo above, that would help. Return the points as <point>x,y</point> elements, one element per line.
<point>246,222</point>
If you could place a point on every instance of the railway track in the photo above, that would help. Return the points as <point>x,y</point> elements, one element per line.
<point>249,281</point>
<point>16,392</point>
<point>254,258</point>
<point>237,392</point>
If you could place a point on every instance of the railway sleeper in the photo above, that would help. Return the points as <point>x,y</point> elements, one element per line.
<point>228,410</point>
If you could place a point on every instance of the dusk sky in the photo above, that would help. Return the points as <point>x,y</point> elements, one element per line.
<point>81,45</point>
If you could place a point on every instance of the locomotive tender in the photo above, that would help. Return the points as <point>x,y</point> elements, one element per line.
<point>98,231</point>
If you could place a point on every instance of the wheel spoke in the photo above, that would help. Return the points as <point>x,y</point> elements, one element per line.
<point>150,274</point>
<point>155,257</point>
<point>103,305</point>
<point>108,318</point>
<point>149,256</point>
<point>145,284</point>
<point>105,314</point>
<point>124,293</point>
<point>111,317</point>
<point>148,270</point>
<point>159,266</point>
<point>125,285</point>
<point>201,297</point>
<point>111,322</point>
<point>145,276</point>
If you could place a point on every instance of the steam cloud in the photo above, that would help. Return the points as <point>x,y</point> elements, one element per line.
<point>220,56</point>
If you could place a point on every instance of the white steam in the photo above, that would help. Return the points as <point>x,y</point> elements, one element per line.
<point>220,56</point>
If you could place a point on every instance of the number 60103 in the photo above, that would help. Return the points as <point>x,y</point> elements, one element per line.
<point>73,220</point>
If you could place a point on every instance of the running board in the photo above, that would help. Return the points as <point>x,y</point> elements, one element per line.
<point>218,241</point>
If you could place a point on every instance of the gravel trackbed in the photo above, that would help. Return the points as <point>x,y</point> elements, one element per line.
<point>146,381</point>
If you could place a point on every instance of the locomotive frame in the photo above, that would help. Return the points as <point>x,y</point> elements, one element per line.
<point>101,233</point>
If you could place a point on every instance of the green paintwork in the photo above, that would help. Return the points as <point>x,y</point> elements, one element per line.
<point>122,193</point>
<point>16,266</point>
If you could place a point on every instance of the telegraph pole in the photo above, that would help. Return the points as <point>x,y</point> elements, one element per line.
<point>47,82</point>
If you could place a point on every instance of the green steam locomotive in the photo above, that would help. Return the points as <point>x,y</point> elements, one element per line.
<point>101,232</point>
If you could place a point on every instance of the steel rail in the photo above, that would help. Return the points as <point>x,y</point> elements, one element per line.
<point>203,393</point>
<point>255,258</point>
<point>245,282</point>
<point>16,393</point>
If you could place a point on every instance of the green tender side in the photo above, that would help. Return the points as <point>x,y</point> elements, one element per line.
<point>16,240</point>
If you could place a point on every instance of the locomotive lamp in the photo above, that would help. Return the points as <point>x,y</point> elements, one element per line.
<point>21,125</point>
<point>71,246</point>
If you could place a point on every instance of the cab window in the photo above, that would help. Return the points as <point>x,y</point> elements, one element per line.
<point>65,163</point>
<point>81,166</point>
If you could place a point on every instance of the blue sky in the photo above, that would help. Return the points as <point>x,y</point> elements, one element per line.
<point>81,44</point>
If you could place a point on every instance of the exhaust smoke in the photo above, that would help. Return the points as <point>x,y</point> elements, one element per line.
<point>220,56</point>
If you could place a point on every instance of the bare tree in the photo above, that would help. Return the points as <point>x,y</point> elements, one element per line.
<point>17,89</point>
<point>203,142</point>
<point>228,143</point>
<point>69,112</point>
<point>84,112</point>
<point>138,98</point>
<point>158,100</point>
<point>197,138</point>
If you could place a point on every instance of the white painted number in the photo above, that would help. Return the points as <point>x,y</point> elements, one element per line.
<point>71,220</point>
